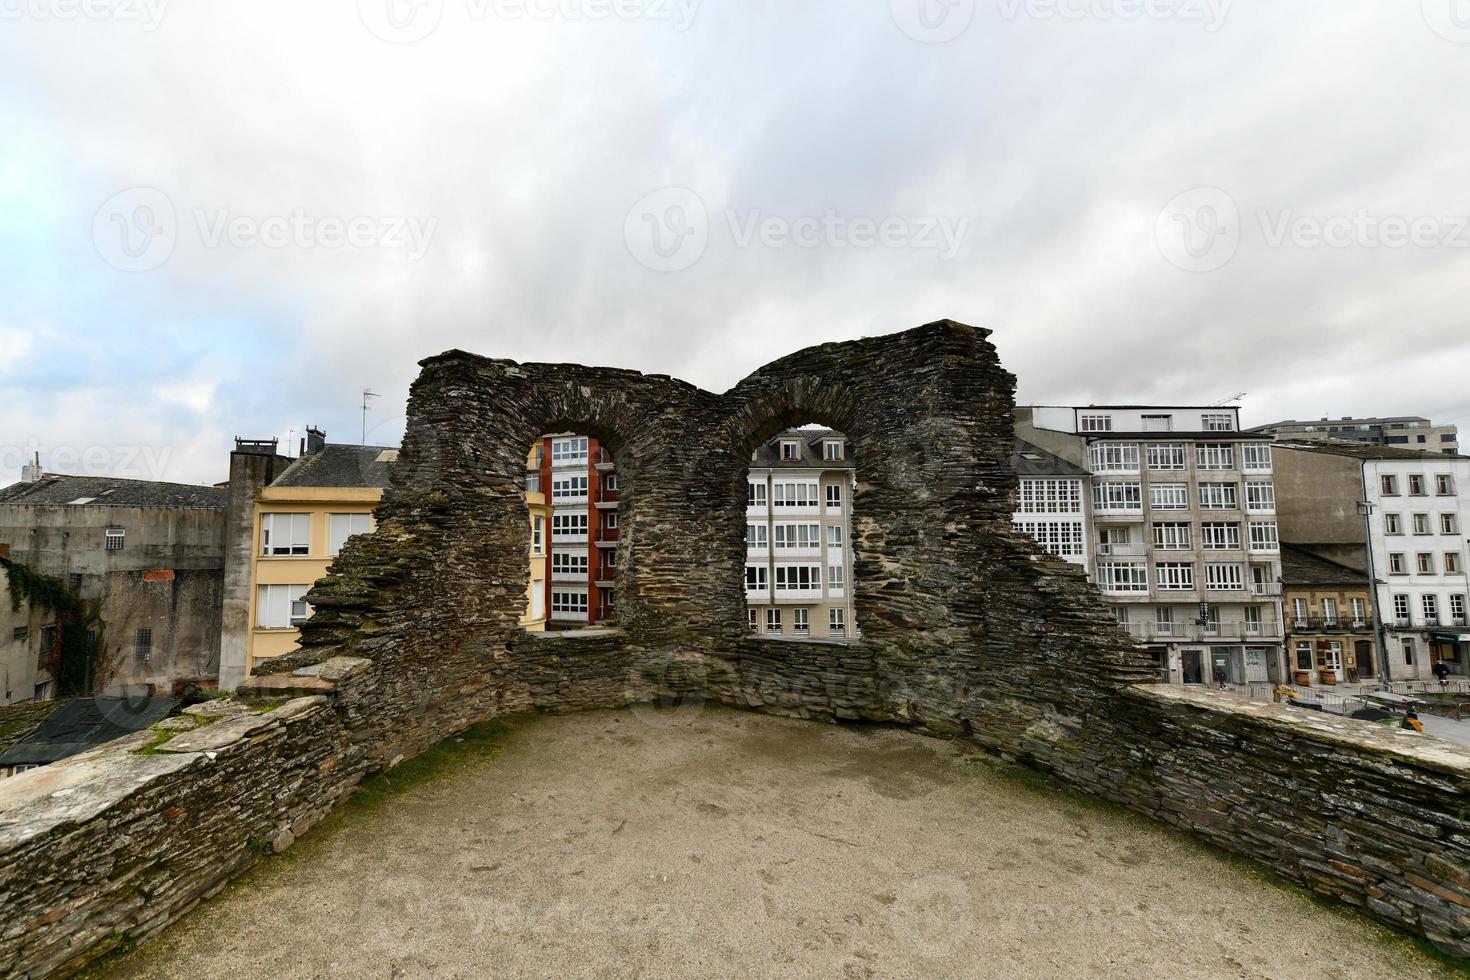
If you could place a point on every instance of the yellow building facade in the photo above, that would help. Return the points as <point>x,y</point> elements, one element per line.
<point>298,531</point>
<point>305,516</point>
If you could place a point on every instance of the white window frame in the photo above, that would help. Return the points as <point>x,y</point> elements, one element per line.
<point>340,527</point>
<point>1166,456</point>
<point>114,538</point>
<point>1061,538</point>
<point>1264,536</point>
<point>569,563</point>
<point>798,578</point>
<point>1122,576</point>
<point>1173,535</point>
<point>1260,496</point>
<point>755,493</point>
<point>1174,576</point>
<point>1047,496</point>
<point>569,602</point>
<point>1219,536</point>
<point>834,496</point>
<point>757,537</point>
<point>1219,496</point>
<point>1444,484</point>
<point>757,578</point>
<point>1218,422</point>
<point>1095,423</point>
<point>796,536</point>
<point>832,450</point>
<point>1214,456</point>
<point>1224,577</point>
<point>1424,563</point>
<point>801,622</point>
<point>1113,457</point>
<point>1448,524</point>
<point>292,528</point>
<point>281,607</point>
<point>790,450</point>
<point>1393,524</point>
<point>795,493</point>
<point>837,621</point>
<point>1169,496</point>
<point>571,449</point>
<point>568,488</point>
<point>773,621</point>
<point>1401,608</point>
<point>1117,495</point>
<point>835,534</point>
<point>836,579</point>
<point>1421,524</point>
<point>1255,457</point>
<point>1430,605</point>
<point>569,526</point>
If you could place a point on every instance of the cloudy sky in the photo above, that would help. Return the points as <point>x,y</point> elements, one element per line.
<point>228,219</point>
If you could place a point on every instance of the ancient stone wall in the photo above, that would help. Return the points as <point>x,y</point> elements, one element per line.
<point>967,631</point>
<point>108,847</point>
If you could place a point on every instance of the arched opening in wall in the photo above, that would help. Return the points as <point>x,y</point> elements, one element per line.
<point>572,504</point>
<point>798,536</point>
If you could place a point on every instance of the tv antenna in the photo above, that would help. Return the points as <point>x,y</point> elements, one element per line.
<point>367,393</point>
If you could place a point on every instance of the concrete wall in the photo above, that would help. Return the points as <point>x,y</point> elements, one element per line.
<point>167,577</point>
<point>249,472</point>
<point>1316,495</point>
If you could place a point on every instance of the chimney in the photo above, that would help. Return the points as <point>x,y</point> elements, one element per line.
<point>316,440</point>
<point>32,472</point>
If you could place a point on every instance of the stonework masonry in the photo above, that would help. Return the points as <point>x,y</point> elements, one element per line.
<point>968,631</point>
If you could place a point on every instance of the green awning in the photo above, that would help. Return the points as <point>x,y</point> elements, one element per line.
<point>1450,637</point>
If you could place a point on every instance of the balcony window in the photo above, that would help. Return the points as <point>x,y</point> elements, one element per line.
<point>1038,496</point>
<point>569,451</point>
<point>1260,495</point>
<point>1263,536</point>
<point>1220,536</point>
<point>801,623</point>
<point>1174,576</point>
<point>1256,456</point>
<point>1172,536</point>
<point>837,622</point>
<point>1113,457</point>
<point>1431,609</point>
<point>1223,577</point>
<point>1166,456</point>
<point>1117,496</point>
<point>1219,496</point>
<point>1169,496</point>
<point>773,621</point>
<point>1122,576</point>
<point>1214,456</point>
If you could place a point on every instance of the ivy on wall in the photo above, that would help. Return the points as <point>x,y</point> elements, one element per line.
<point>77,645</point>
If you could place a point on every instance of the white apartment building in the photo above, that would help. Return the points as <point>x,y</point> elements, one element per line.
<point>1183,532</point>
<point>1053,503</point>
<point>798,537</point>
<point>1420,504</point>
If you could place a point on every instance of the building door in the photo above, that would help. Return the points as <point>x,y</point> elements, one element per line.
<point>1363,654</point>
<point>1219,666</point>
<point>1194,666</point>
<point>1256,671</point>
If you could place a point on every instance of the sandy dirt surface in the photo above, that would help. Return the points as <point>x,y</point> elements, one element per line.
<point>715,843</point>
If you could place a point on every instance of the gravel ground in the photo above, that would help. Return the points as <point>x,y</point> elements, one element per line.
<point>716,843</point>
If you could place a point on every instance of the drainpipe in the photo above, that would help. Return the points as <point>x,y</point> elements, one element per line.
<point>1365,507</point>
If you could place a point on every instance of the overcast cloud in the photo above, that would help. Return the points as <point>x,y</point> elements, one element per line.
<point>227,219</point>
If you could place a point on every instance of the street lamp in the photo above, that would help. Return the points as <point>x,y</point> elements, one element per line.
<point>1365,508</point>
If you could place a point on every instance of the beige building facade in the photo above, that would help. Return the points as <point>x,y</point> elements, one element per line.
<point>798,537</point>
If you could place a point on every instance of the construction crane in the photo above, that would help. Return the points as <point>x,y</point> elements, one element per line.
<point>1226,401</point>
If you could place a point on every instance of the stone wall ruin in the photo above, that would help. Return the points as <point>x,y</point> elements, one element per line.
<point>968,631</point>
